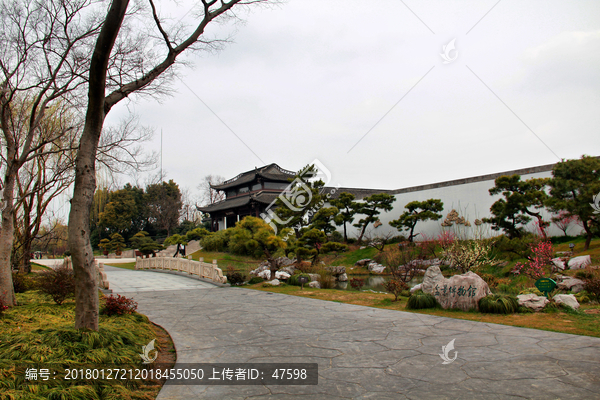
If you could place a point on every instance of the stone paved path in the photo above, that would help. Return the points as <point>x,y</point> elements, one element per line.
<point>362,352</point>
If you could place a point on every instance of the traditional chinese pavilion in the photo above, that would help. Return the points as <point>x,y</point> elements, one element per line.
<point>249,193</point>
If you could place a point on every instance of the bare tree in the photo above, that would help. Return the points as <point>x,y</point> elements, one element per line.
<point>189,212</point>
<point>45,52</point>
<point>39,182</point>
<point>208,195</point>
<point>404,263</point>
<point>120,150</point>
<point>42,59</point>
<point>52,237</point>
<point>378,241</point>
<point>135,77</point>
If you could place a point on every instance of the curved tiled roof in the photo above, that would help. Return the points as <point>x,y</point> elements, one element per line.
<point>271,172</point>
<point>239,201</point>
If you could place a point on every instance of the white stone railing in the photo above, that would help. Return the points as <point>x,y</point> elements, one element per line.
<point>199,268</point>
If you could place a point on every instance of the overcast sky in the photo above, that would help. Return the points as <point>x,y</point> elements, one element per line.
<point>362,87</point>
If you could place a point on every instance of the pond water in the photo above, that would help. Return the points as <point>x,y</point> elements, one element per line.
<point>374,282</point>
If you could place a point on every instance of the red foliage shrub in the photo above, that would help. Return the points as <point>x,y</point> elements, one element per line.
<point>395,287</point>
<point>3,307</point>
<point>357,283</point>
<point>119,305</point>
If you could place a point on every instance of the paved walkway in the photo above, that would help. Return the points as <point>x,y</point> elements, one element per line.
<point>56,262</point>
<point>362,352</point>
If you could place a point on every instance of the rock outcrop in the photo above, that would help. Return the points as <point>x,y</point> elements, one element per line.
<point>567,299</point>
<point>579,262</point>
<point>459,291</point>
<point>532,301</point>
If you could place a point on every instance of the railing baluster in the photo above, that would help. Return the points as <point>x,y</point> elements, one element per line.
<point>199,268</point>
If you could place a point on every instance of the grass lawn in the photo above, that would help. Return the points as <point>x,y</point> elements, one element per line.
<point>593,251</point>
<point>39,333</point>
<point>130,265</point>
<point>38,267</point>
<point>584,322</point>
<point>243,264</point>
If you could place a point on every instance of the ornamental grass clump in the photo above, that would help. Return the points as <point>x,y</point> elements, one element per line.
<point>326,279</point>
<point>40,334</point>
<point>256,279</point>
<point>420,300</point>
<point>293,280</point>
<point>498,304</point>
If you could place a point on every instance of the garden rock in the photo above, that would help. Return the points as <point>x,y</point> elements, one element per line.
<point>274,282</point>
<point>266,274</point>
<point>376,268</point>
<point>258,270</point>
<point>285,261</point>
<point>337,270</point>
<point>343,278</point>
<point>567,299</point>
<point>315,284</point>
<point>532,301</point>
<point>363,262</point>
<point>416,287</point>
<point>559,263</point>
<point>572,284</point>
<point>280,261</point>
<point>282,275</point>
<point>433,276</point>
<point>579,262</point>
<point>314,277</point>
<point>459,291</point>
<point>289,269</point>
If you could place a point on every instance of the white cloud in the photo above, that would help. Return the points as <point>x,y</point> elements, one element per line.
<point>569,60</point>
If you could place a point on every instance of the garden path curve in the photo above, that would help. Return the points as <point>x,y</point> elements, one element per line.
<point>362,352</point>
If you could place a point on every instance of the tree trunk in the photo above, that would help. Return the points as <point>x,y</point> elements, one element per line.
<point>345,235</point>
<point>86,291</point>
<point>589,235</point>
<point>7,294</point>
<point>273,265</point>
<point>362,232</point>
<point>25,266</point>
